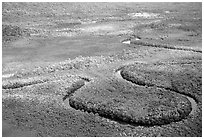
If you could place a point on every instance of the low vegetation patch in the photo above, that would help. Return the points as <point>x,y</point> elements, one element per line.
<point>76,64</point>
<point>131,104</point>
<point>17,83</point>
<point>187,80</point>
<point>10,32</point>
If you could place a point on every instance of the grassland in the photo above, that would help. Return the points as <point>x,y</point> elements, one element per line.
<point>67,71</point>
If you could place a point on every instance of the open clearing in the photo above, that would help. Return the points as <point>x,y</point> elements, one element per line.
<point>102,69</point>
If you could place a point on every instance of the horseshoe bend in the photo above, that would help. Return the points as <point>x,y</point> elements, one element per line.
<point>101,69</point>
